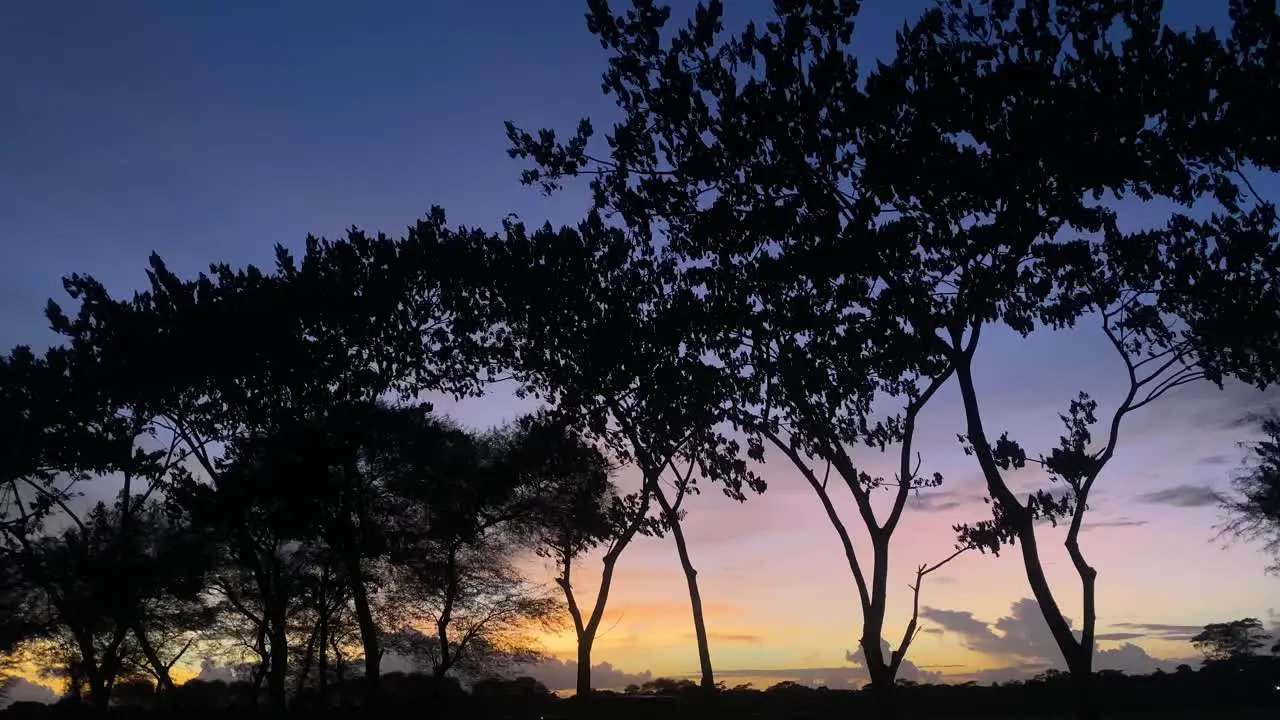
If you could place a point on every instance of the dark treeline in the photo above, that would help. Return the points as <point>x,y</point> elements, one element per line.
<point>786,258</point>
<point>1209,692</point>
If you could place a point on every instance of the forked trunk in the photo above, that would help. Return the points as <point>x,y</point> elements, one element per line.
<point>1078,655</point>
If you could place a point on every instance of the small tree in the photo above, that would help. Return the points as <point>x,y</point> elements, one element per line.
<point>483,612</point>
<point>582,512</point>
<point>1231,643</point>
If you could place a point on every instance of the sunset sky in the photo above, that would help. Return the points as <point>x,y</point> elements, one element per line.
<point>210,131</point>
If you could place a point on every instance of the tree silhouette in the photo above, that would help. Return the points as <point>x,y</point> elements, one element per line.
<point>616,365</point>
<point>583,513</point>
<point>785,255</point>
<point>344,325</point>
<point>1253,509</point>
<point>752,221</point>
<point>1232,643</point>
<point>782,182</point>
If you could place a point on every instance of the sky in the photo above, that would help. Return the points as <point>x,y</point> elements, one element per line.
<point>210,131</point>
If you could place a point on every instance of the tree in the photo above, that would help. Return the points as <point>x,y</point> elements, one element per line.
<point>710,176</point>
<point>1253,509</point>
<point>347,323</point>
<point>85,581</point>
<point>968,183</point>
<point>616,365</point>
<point>466,502</point>
<point>582,513</point>
<point>483,611</point>
<point>166,563</point>
<point>1231,643</point>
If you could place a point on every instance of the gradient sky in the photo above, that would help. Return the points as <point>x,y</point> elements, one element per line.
<point>212,130</point>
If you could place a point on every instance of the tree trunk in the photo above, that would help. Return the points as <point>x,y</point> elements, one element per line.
<point>99,696</point>
<point>883,673</point>
<point>322,661</point>
<point>308,657</point>
<point>1079,658</point>
<point>99,671</point>
<point>587,630</point>
<point>585,641</point>
<point>884,691</point>
<point>368,628</point>
<point>163,679</point>
<point>99,688</point>
<point>708,682</point>
<point>340,673</point>
<point>277,670</point>
<point>1086,703</point>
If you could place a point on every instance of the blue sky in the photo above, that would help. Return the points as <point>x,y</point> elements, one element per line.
<point>210,131</point>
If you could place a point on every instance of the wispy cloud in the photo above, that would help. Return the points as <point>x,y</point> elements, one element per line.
<point>1187,496</point>
<point>941,500</point>
<point>1216,460</point>
<point>1112,637</point>
<point>1159,631</point>
<point>1118,523</point>
<point>731,638</point>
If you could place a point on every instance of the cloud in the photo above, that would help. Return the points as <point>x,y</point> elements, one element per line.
<point>20,689</point>
<point>1122,522</point>
<point>844,678</point>
<point>1023,636</point>
<point>1187,496</point>
<point>1006,674</point>
<point>1215,460</point>
<point>1237,406</point>
<point>1111,637</point>
<point>1131,660</point>
<point>730,638</point>
<point>907,671</point>
<point>1160,631</point>
<point>940,500</point>
<point>211,671</point>
<point>559,674</point>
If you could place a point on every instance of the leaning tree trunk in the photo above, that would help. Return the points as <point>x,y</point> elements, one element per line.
<point>163,678</point>
<point>1078,655</point>
<point>368,628</point>
<point>586,631</point>
<point>708,681</point>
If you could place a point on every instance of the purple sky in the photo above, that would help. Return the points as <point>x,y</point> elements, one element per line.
<point>212,130</point>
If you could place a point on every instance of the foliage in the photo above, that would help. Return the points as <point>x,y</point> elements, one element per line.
<point>1253,510</point>
<point>787,254</point>
<point>850,235</point>
<point>1231,643</point>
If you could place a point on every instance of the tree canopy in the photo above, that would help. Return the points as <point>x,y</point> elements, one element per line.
<point>788,254</point>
